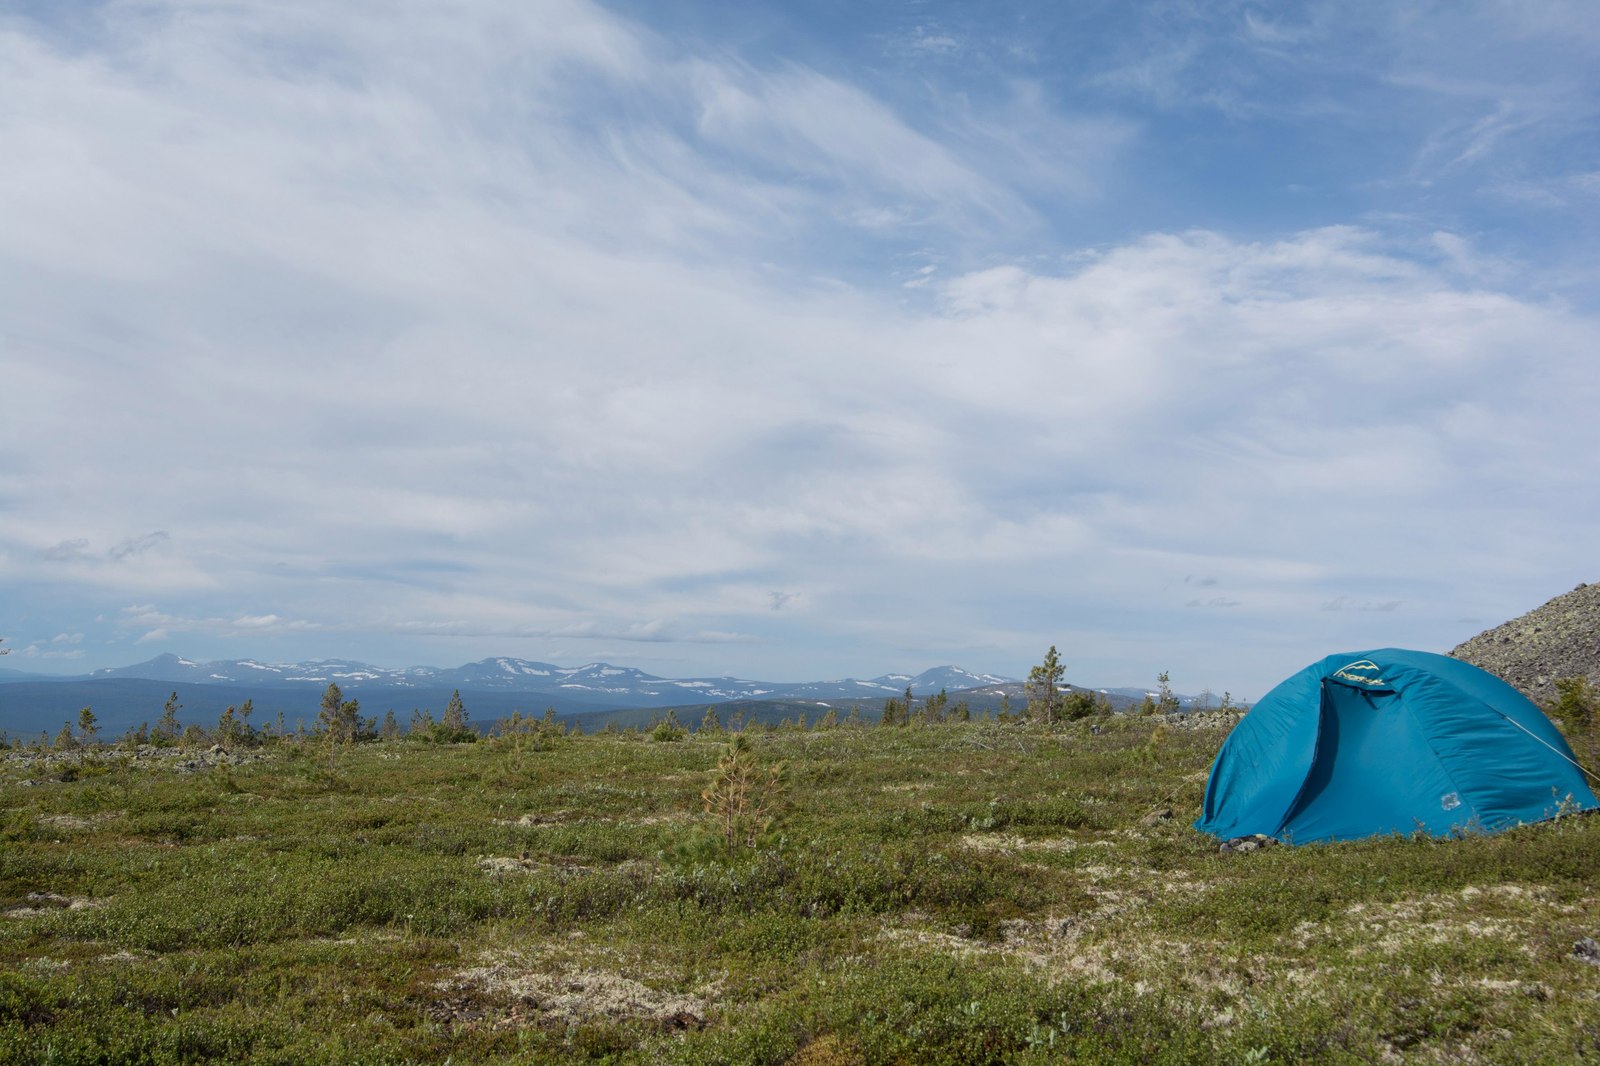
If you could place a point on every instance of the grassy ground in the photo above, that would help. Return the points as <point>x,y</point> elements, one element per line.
<point>955,893</point>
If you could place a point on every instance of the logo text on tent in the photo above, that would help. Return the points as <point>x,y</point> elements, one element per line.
<point>1344,672</point>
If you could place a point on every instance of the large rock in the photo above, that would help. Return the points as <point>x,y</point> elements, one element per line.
<point>1560,639</point>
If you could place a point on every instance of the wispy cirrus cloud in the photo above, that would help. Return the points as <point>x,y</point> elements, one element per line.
<point>154,624</point>
<point>397,334</point>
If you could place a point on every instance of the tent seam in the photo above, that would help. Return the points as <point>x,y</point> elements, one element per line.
<point>1316,750</point>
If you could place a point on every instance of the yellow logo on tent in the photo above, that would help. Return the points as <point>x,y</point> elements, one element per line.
<point>1360,664</point>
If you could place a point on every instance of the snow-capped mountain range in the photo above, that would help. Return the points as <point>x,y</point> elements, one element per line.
<point>596,682</point>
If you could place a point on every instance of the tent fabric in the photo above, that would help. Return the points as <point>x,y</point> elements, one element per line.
<point>1369,743</point>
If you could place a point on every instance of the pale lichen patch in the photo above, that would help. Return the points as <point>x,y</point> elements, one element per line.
<point>944,943</point>
<point>1010,844</point>
<point>660,818</point>
<point>571,995</point>
<point>537,818</point>
<point>512,864</point>
<point>70,822</point>
<point>48,903</point>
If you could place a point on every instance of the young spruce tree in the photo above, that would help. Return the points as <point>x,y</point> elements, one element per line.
<point>167,728</point>
<point>453,727</point>
<point>1044,687</point>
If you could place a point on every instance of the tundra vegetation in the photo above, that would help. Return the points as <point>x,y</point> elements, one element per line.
<point>933,889</point>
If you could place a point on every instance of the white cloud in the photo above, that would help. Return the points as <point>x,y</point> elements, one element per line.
<point>36,651</point>
<point>261,621</point>
<point>160,625</point>
<point>377,325</point>
<point>940,43</point>
<point>824,130</point>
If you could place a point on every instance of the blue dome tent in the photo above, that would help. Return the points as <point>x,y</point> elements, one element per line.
<point>1390,741</point>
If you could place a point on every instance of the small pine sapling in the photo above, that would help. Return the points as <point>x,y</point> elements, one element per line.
<point>667,730</point>
<point>742,799</point>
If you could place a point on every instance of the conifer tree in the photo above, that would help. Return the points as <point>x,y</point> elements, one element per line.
<point>1081,703</point>
<point>1167,703</point>
<point>339,721</point>
<point>1044,680</point>
<point>421,724</point>
<point>455,717</point>
<point>667,730</point>
<point>328,709</point>
<point>1576,709</point>
<point>1574,703</point>
<point>743,796</point>
<point>226,726</point>
<point>167,727</point>
<point>338,717</point>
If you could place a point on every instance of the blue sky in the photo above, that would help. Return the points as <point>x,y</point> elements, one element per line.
<point>794,340</point>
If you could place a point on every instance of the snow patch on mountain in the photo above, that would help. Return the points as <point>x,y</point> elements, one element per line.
<point>603,683</point>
